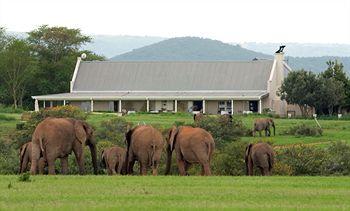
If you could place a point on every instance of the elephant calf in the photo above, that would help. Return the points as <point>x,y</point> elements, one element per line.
<point>264,124</point>
<point>260,155</point>
<point>25,157</point>
<point>113,159</point>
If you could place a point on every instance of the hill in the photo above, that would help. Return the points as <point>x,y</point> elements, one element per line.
<point>190,48</point>
<point>109,45</point>
<point>200,49</point>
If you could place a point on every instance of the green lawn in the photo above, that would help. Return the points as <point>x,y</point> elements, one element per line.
<point>8,124</point>
<point>167,193</point>
<point>333,129</point>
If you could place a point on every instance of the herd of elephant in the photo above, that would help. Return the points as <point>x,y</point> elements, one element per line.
<point>55,138</point>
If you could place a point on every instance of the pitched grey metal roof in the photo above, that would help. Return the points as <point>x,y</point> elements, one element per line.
<point>143,95</point>
<point>172,76</point>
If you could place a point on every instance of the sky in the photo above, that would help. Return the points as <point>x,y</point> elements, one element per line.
<point>277,21</point>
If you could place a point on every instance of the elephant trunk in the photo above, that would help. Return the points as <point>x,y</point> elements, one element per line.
<point>94,157</point>
<point>168,162</point>
<point>274,129</point>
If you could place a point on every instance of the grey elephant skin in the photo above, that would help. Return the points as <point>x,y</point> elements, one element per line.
<point>25,157</point>
<point>191,145</point>
<point>260,155</point>
<point>264,124</point>
<point>57,138</point>
<point>145,145</point>
<point>113,159</point>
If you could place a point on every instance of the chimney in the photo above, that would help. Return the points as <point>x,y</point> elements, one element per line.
<point>279,55</point>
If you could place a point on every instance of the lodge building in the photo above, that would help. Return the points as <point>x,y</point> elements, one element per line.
<point>175,86</point>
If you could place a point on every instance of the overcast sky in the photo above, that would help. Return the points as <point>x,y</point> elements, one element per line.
<point>312,21</point>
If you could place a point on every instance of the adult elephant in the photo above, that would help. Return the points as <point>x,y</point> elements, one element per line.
<point>57,137</point>
<point>25,157</point>
<point>264,124</point>
<point>145,145</point>
<point>260,155</point>
<point>113,159</point>
<point>191,145</point>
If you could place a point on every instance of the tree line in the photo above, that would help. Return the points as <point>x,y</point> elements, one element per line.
<point>41,63</point>
<point>326,93</point>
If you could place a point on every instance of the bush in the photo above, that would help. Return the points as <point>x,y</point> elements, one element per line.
<point>9,159</point>
<point>303,159</point>
<point>304,130</point>
<point>230,160</point>
<point>338,162</point>
<point>221,129</point>
<point>283,169</point>
<point>113,130</point>
<point>25,177</point>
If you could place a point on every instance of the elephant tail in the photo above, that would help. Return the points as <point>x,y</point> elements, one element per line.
<point>41,145</point>
<point>211,147</point>
<point>151,155</point>
<point>271,160</point>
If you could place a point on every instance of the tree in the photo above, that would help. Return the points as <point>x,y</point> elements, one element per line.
<point>16,65</point>
<point>299,88</point>
<point>54,43</point>
<point>329,95</point>
<point>57,49</point>
<point>335,70</point>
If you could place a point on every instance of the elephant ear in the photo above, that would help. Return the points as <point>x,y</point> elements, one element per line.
<point>80,132</point>
<point>172,137</point>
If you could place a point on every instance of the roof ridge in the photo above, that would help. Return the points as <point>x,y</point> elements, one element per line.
<point>209,61</point>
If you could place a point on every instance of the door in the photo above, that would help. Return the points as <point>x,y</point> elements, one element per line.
<point>253,106</point>
<point>197,105</point>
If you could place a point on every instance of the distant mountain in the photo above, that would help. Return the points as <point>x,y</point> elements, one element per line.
<point>109,45</point>
<point>190,48</point>
<point>316,64</point>
<point>302,49</point>
<point>199,49</point>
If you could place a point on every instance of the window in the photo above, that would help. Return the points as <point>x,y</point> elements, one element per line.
<point>225,106</point>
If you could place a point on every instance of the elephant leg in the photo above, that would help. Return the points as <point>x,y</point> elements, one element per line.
<point>187,166</point>
<point>206,169</point>
<point>262,171</point>
<point>181,166</point>
<point>51,166</point>
<point>113,166</point>
<point>119,167</point>
<point>266,172</point>
<point>35,159</point>
<point>250,167</point>
<point>42,164</point>
<point>143,169</point>
<point>64,165</point>
<point>24,165</point>
<point>130,163</point>
<point>155,168</point>
<point>78,151</point>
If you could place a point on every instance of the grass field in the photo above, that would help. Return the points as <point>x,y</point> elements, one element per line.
<point>174,193</point>
<point>333,130</point>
